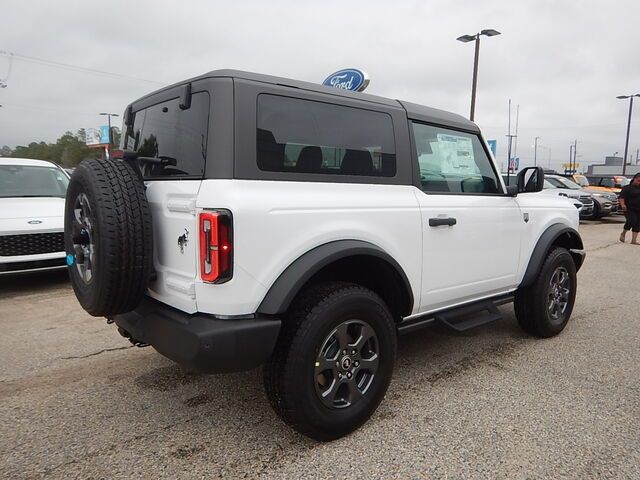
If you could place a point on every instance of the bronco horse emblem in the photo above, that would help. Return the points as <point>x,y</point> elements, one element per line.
<point>183,240</point>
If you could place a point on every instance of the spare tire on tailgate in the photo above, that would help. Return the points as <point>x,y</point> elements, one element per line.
<point>108,236</point>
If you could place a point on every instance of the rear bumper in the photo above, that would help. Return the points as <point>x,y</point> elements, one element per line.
<point>202,342</point>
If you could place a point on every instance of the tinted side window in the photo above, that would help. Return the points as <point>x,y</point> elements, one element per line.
<point>164,130</point>
<point>453,162</point>
<point>303,136</point>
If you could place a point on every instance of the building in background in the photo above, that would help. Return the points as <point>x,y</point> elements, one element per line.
<point>612,166</point>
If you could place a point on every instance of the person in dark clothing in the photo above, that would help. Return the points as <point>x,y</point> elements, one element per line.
<point>630,204</point>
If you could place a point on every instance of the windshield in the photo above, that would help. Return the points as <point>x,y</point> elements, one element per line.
<point>562,182</point>
<point>622,181</point>
<point>582,181</point>
<point>32,181</point>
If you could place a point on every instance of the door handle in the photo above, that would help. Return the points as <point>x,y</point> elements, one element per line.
<point>440,221</point>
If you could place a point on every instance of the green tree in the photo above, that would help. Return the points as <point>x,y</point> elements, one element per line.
<point>116,135</point>
<point>68,150</point>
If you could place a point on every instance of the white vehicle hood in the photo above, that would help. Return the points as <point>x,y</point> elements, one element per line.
<point>31,215</point>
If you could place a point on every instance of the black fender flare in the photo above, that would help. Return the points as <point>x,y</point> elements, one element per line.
<point>291,280</point>
<point>556,234</point>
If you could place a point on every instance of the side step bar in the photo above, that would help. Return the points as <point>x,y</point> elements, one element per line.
<point>460,319</point>
<point>465,318</point>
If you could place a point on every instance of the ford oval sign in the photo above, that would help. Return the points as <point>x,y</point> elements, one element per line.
<point>348,79</point>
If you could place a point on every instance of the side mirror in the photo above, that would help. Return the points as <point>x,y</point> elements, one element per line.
<point>530,179</point>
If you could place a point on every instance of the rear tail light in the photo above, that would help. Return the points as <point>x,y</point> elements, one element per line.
<point>216,246</point>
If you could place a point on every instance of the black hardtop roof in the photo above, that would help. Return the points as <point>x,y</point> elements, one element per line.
<point>414,110</point>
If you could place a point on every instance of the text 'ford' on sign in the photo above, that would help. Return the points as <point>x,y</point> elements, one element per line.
<point>348,79</point>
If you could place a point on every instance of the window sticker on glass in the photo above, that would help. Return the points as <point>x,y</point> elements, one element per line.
<point>457,151</point>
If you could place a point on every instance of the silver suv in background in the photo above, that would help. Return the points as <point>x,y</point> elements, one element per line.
<point>604,203</point>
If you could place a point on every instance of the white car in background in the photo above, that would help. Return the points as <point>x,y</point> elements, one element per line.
<point>549,189</point>
<point>32,195</point>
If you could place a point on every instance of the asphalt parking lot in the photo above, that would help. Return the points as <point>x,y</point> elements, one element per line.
<point>77,401</point>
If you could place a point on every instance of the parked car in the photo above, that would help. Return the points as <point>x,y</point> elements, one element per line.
<point>601,195</point>
<point>577,178</point>
<point>548,189</point>
<point>262,220</point>
<point>32,196</point>
<point>604,203</point>
<point>608,183</point>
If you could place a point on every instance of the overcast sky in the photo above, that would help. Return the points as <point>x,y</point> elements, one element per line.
<point>563,62</point>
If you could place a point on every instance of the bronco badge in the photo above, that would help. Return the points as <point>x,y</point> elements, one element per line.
<point>183,240</point>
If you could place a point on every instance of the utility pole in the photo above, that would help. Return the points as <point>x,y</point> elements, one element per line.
<point>515,144</point>
<point>575,150</point>
<point>535,151</point>
<point>510,137</point>
<point>509,143</point>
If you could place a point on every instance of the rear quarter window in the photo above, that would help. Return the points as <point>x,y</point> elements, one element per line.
<point>303,136</point>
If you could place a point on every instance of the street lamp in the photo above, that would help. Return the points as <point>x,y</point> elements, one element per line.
<point>109,115</point>
<point>469,38</point>
<point>626,143</point>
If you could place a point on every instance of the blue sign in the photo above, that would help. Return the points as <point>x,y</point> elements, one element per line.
<point>493,146</point>
<point>514,164</point>
<point>104,134</point>
<point>348,79</point>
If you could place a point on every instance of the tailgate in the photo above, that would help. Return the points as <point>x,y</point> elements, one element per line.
<point>174,242</point>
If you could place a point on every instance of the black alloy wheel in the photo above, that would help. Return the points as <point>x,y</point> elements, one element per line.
<point>544,308</point>
<point>346,364</point>
<point>333,360</point>
<point>558,294</point>
<point>82,236</point>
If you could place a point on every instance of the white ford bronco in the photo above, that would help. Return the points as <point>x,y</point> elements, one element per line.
<point>252,220</point>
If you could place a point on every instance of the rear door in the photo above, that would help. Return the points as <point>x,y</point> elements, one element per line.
<point>172,128</point>
<point>471,230</point>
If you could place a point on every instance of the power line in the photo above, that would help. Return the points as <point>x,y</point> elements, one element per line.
<point>68,66</point>
<point>3,81</point>
<point>51,109</point>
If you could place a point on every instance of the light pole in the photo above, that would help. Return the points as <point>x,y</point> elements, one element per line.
<point>626,143</point>
<point>109,115</point>
<point>570,157</point>
<point>469,38</point>
<point>535,151</point>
